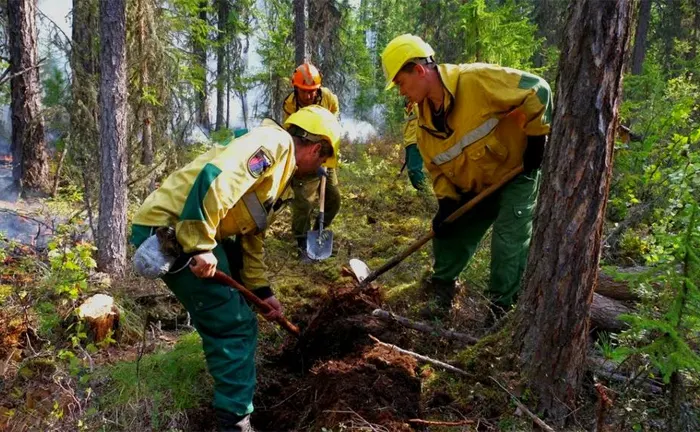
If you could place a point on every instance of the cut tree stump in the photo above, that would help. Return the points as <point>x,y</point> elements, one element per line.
<point>605,314</point>
<point>100,315</point>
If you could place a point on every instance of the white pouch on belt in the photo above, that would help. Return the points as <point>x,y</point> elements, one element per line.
<point>150,261</point>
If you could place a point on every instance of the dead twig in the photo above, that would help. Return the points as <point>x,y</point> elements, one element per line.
<point>441,423</point>
<point>422,357</point>
<point>7,78</point>
<point>423,327</point>
<point>524,409</point>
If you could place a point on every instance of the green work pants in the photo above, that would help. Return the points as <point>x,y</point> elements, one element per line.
<point>227,326</point>
<point>306,196</point>
<point>414,165</point>
<point>510,211</point>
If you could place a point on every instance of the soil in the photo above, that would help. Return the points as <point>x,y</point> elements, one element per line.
<point>335,374</point>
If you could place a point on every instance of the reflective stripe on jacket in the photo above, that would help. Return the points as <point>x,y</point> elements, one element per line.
<point>489,111</point>
<point>229,190</point>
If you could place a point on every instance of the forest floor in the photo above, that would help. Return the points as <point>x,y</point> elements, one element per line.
<point>151,374</point>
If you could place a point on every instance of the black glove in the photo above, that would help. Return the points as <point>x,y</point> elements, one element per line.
<point>446,207</point>
<point>534,153</point>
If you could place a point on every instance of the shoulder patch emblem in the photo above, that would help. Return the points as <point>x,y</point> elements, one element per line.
<point>259,162</point>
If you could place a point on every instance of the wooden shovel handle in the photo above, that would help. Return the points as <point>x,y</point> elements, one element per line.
<point>223,278</point>
<point>426,238</point>
<point>322,200</point>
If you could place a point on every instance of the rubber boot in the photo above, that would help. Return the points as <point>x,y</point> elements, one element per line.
<point>440,295</point>
<point>230,422</point>
<point>301,251</point>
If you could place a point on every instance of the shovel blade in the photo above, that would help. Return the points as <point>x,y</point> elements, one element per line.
<point>319,246</point>
<point>360,269</point>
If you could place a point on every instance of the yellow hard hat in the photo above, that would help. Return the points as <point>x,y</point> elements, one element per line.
<point>399,51</point>
<point>318,122</point>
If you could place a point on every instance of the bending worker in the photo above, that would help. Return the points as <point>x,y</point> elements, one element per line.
<point>233,191</point>
<point>308,91</point>
<point>476,123</point>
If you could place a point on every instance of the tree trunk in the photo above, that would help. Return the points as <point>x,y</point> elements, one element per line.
<point>101,317</point>
<point>84,115</point>
<point>640,37</point>
<point>605,313</point>
<point>147,152</point>
<point>200,54</point>
<point>111,234</point>
<point>30,161</point>
<point>299,31</point>
<point>221,70</point>
<point>552,319</point>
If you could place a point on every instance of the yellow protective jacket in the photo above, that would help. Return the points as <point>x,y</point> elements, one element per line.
<point>231,190</point>
<point>324,98</point>
<point>489,112</point>
<point>410,125</point>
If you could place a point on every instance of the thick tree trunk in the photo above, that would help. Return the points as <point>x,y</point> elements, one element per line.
<point>30,161</point>
<point>552,319</point>
<point>221,70</point>
<point>200,54</point>
<point>299,31</point>
<point>111,234</point>
<point>640,37</point>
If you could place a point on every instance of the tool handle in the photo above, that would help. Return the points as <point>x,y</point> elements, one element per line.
<point>426,238</point>
<point>322,205</point>
<point>225,279</point>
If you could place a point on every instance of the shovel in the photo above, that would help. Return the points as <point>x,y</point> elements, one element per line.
<point>319,243</point>
<point>224,279</point>
<point>362,271</point>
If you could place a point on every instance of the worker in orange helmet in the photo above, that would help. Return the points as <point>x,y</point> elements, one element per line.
<point>306,80</point>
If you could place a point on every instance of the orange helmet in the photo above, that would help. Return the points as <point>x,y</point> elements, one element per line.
<point>306,77</point>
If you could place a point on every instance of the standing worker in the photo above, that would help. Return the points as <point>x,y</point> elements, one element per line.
<point>476,123</point>
<point>308,91</point>
<point>233,191</point>
<point>413,161</point>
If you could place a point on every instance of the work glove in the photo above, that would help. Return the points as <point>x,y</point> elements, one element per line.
<point>534,153</point>
<point>446,206</point>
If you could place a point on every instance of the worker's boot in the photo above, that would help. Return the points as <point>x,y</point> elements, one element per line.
<point>440,295</point>
<point>230,422</point>
<point>301,251</point>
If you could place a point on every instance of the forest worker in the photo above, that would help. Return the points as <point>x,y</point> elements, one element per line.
<point>476,123</point>
<point>307,91</point>
<point>233,191</point>
<point>413,161</point>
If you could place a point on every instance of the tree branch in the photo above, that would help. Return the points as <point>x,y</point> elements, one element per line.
<point>524,409</point>
<point>422,357</point>
<point>5,78</point>
<point>422,327</point>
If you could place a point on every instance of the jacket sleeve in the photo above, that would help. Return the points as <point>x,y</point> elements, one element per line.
<point>254,269</point>
<point>510,89</point>
<point>410,128</point>
<point>333,105</point>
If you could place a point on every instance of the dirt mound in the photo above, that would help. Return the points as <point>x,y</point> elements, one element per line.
<point>335,374</point>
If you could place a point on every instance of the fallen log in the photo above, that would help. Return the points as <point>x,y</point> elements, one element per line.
<point>423,327</point>
<point>605,314</point>
<point>608,370</point>
<point>618,290</point>
<point>100,315</point>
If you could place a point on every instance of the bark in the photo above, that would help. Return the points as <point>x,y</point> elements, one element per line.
<point>30,160</point>
<point>640,37</point>
<point>299,31</point>
<point>618,290</point>
<point>552,319</point>
<point>111,235</point>
<point>200,54</point>
<point>221,71</point>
